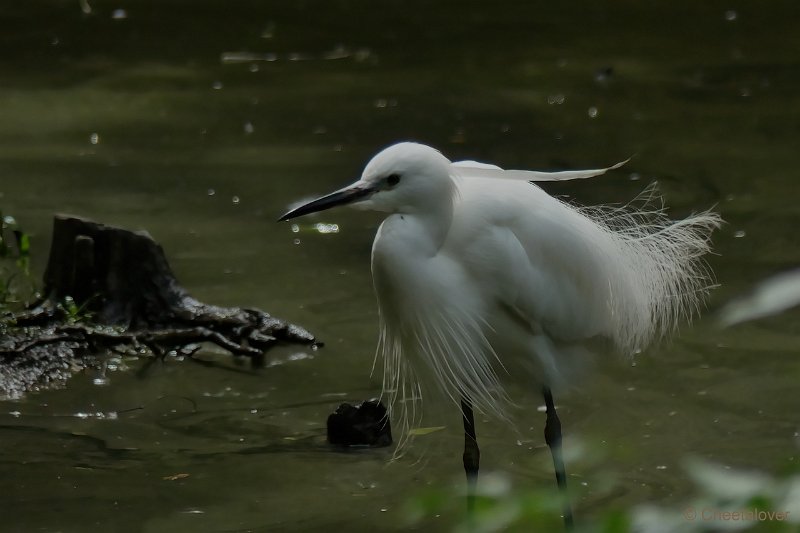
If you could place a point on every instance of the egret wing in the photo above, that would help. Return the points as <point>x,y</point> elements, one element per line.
<point>532,254</point>
<point>535,305</point>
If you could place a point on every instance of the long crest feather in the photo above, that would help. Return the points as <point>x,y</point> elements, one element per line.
<point>473,169</point>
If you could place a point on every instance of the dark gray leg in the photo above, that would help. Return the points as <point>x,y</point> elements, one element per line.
<point>472,454</point>
<point>552,435</point>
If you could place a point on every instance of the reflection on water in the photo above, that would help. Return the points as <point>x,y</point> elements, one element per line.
<point>204,123</point>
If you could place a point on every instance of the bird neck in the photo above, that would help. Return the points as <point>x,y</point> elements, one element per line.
<point>404,235</point>
<point>433,224</point>
<point>432,214</point>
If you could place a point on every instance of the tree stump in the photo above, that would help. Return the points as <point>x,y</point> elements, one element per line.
<point>111,288</point>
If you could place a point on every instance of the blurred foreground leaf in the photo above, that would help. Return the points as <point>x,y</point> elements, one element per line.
<point>771,296</point>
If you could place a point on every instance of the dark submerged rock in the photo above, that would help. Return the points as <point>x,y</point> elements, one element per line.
<point>366,424</point>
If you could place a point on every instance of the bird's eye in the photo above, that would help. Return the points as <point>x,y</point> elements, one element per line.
<point>393,179</point>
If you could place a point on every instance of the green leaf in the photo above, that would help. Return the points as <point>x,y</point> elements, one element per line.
<point>23,242</point>
<point>416,432</point>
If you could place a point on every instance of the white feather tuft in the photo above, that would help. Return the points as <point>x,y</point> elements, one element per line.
<point>657,273</point>
<point>454,358</point>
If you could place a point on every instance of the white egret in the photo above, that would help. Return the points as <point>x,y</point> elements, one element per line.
<point>479,273</point>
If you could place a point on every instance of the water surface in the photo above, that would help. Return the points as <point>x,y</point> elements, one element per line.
<point>126,112</point>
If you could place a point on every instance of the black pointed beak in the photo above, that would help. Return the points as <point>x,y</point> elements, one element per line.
<point>348,195</point>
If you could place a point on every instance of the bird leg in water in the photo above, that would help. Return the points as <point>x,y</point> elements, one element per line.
<point>552,435</point>
<point>472,454</point>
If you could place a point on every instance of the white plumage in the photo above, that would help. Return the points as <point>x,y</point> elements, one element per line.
<point>479,273</point>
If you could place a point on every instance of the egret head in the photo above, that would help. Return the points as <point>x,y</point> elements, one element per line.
<point>403,178</point>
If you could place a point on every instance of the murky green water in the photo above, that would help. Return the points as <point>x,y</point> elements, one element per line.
<point>132,117</point>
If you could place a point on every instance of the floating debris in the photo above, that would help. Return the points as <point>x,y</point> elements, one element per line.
<point>246,57</point>
<point>337,53</point>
